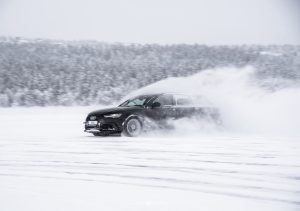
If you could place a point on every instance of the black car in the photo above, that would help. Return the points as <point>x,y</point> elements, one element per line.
<point>140,113</point>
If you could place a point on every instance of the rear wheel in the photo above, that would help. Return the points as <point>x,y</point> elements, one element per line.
<point>132,127</point>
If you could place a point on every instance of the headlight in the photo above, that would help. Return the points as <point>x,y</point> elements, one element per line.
<point>112,115</point>
<point>93,118</point>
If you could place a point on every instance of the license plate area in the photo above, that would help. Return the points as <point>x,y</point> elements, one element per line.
<point>92,123</point>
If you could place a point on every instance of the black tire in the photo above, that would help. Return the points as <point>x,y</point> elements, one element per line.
<point>132,127</point>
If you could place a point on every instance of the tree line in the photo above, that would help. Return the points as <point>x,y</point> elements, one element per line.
<point>38,72</point>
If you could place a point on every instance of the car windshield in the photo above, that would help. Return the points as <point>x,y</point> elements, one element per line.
<point>137,101</point>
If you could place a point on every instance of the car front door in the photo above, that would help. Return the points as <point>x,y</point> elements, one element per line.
<point>184,106</point>
<point>165,110</point>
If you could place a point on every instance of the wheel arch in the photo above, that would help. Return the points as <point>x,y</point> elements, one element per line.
<point>139,118</point>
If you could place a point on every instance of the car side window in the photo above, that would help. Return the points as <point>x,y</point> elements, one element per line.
<point>182,100</point>
<point>164,100</point>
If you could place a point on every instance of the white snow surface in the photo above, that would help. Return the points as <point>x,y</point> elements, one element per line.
<point>47,162</point>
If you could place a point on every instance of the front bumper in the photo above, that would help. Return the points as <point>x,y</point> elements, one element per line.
<point>92,130</point>
<point>107,126</point>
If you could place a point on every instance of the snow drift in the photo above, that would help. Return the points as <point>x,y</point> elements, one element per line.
<point>248,104</point>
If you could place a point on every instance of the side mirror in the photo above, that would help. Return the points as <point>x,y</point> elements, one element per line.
<point>156,105</point>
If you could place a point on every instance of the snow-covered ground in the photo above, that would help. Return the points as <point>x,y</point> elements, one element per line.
<point>47,162</point>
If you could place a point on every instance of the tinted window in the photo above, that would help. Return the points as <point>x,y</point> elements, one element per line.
<point>183,100</point>
<point>164,100</point>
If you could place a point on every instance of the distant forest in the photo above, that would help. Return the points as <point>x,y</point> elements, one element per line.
<point>35,72</point>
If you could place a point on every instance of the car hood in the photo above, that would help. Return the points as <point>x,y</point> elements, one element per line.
<point>115,110</point>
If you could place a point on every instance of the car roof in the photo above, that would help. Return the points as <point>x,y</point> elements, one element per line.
<point>162,93</point>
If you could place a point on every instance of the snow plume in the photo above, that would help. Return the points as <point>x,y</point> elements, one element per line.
<point>248,104</point>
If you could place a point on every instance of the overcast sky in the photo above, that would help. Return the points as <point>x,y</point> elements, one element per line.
<point>154,21</point>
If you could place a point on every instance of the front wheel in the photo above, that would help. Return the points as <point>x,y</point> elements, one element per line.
<point>132,127</point>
